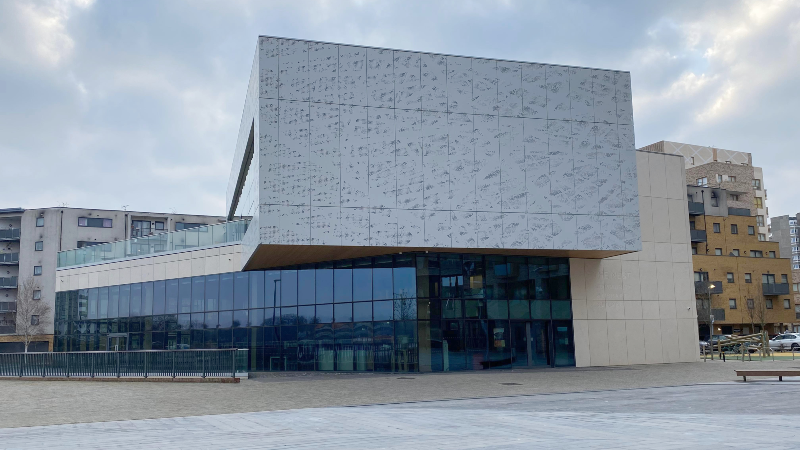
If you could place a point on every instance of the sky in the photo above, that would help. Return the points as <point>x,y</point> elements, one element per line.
<point>119,104</point>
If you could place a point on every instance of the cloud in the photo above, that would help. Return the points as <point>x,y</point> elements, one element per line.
<point>107,104</point>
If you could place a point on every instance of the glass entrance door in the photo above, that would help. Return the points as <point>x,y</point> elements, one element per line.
<point>118,343</point>
<point>530,342</point>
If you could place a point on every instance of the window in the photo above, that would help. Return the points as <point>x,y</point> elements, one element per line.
<point>94,222</point>
<point>37,270</point>
<point>701,276</point>
<point>768,278</point>
<point>762,237</point>
<point>795,287</point>
<point>771,254</point>
<point>756,254</point>
<point>732,179</point>
<point>186,225</point>
<point>734,228</point>
<point>140,228</point>
<point>768,303</point>
<point>692,225</point>
<point>751,230</point>
<point>694,249</point>
<point>796,266</point>
<point>735,252</point>
<point>716,228</point>
<point>748,278</point>
<point>160,226</point>
<point>751,303</point>
<point>38,246</point>
<point>784,279</point>
<point>692,160</point>
<point>718,251</point>
<point>733,197</point>
<point>730,277</point>
<point>760,221</point>
<point>37,294</point>
<point>702,181</point>
<point>40,221</point>
<point>786,304</point>
<point>759,203</point>
<point>756,184</point>
<point>719,178</point>
<point>714,199</point>
<point>732,303</point>
<point>35,319</point>
<point>82,244</point>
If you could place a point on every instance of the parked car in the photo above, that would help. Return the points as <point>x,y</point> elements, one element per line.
<point>785,341</point>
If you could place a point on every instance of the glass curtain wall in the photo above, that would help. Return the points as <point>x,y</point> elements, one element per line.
<point>394,313</point>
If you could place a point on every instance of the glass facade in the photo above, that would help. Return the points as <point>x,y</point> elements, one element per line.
<point>395,313</point>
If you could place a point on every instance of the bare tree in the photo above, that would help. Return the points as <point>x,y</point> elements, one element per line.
<point>33,314</point>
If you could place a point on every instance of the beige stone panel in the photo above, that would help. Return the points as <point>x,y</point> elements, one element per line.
<point>635,341</point>
<point>74,281</point>
<point>665,279</point>
<point>596,310</point>
<point>125,275</point>
<point>94,279</point>
<point>683,281</point>
<point>681,253</point>
<point>225,263</point>
<point>577,274</point>
<point>237,260</point>
<point>598,342</point>
<point>615,310</point>
<point>669,340</point>
<point>593,273</point>
<point>136,274</point>
<point>648,277</point>
<point>159,271</point>
<point>632,256</point>
<point>631,283</point>
<point>650,310</point>
<point>648,252</point>
<point>62,281</point>
<point>653,353</point>
<point>678,221</point>
<point>212,252</point>
<point>663,251</point>
<point>212,264</point>
<point>612,279</point>
<point>643,173</point>
<point>666,309</point>
<point>685,309</point>
<point>184,268</point>
<point>676,181</point>
<point>102,278</point>
<point>581,330</point>
<point>83,281</point>
<point>646,219</point>
<point>580,309</point>
<point>199,265</point>
<point>172,270</point>
<point>633,310</point>
<point>617,343</point>
<point>113,277</point>
<point>125,264</point>
<point>148,271</point>
<point>658,176</point>
<point>661,225</point>
<point>228,249</point>
<point>688,340</point>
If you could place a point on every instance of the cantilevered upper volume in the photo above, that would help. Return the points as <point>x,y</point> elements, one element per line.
<point>348,151</point>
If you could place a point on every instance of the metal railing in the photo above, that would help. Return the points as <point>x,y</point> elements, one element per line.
<point>738,211</point>
<point>698,235</point>
<point>696,209</point>
<point>8,282</point>
<point>8,306</point>
<point>8,329</point>
<point>144,363</point>
<point>221,233</point>
<point>775,288</point>
<point>9,258</point>
<point>9,234</point>
<point>704,287</point>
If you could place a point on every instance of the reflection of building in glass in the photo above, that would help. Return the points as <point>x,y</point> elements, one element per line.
<point>411,211</point>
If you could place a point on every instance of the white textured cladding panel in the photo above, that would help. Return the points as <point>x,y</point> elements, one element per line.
<point>375,147</point>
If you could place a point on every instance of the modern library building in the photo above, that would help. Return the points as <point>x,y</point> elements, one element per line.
<point>404,211</point>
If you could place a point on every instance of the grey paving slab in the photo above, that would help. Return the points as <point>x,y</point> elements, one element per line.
<point>654,418</point>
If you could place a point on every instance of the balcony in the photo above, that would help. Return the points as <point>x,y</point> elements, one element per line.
<point>8,329</point>
<point>738,212</point>
<point>11,234</point>
<point>775,288</point>
<point>702,287</point>
<point>9,259</point>
<point>696,209</point>
<point>8,283</point>
<point>698,235</point>
<point>8,307</point>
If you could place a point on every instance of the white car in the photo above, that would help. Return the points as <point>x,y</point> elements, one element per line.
<point>785,341</point>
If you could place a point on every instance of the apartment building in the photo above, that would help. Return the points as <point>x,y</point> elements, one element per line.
<point>726,169</point>
<point>30,240</point>
<point>785,231</point>
<point>740,279</point>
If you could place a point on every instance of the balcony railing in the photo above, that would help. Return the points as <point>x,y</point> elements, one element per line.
<point>8,329</point>
<point>11,234</point>
<point>704,287</point>
<point>738,212</point>
<point>148,363</point>
<point>9,259</point>
<point>698,235</point>
<point>775,288</point>
<point>8,307</point>
<point>8,282</point>
<point>696,209</point>
<point>221,233</point>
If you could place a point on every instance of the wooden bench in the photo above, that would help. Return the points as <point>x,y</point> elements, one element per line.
<point>767,373</point>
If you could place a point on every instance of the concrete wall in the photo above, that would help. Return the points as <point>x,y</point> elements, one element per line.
<point>374,147</point>
<point>639,308</point>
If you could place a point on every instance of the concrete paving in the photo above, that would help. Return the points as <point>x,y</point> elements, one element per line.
<point>726,415</point>
<point>32,403</point>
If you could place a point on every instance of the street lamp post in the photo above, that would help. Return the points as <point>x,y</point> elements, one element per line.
<point>711,320</point>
